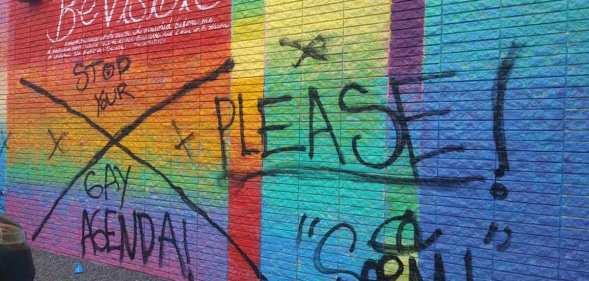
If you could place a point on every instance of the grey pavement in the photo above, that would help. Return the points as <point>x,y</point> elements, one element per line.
<point>51,267</point>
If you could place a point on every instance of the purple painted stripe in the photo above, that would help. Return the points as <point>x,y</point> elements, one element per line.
<point>406,42</point>
<point>406,54</point>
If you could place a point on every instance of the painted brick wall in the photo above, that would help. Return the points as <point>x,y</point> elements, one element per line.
<point>301,140</point>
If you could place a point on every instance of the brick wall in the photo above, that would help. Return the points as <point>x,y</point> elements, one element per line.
<point>301,140</point>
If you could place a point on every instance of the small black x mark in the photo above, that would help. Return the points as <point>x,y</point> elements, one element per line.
<point>183,141</point>
<point>56,142</point>
<point>315,49</point>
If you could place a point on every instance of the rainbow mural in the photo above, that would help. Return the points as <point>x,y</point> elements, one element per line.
<point>300,140</point>
<point>3,95</point>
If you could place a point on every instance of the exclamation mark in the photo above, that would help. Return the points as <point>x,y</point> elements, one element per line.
<point>498,190</point>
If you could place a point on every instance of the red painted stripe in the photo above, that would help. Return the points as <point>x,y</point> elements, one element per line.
<point>244,228</point>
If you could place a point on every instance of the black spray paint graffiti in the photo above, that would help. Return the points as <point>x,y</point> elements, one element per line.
<point>113,178</point>
<point>104,99</point>
<point>86,75</point>
<point>183,144</point>
<point>100,235</point>
<point>396,115</point>
<point>315,49</point>
<point>493,228</point>
<point>56,143</point>
<point>400,124</point>
<point>374,270</point>
<point>115,140</point>
<point>244,149</point>
<point>498,190</point>
<point>398,118</point>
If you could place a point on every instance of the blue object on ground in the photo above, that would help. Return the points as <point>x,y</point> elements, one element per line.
<point>78,268</point>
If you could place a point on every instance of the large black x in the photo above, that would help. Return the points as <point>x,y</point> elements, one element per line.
<point>114,140</point>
